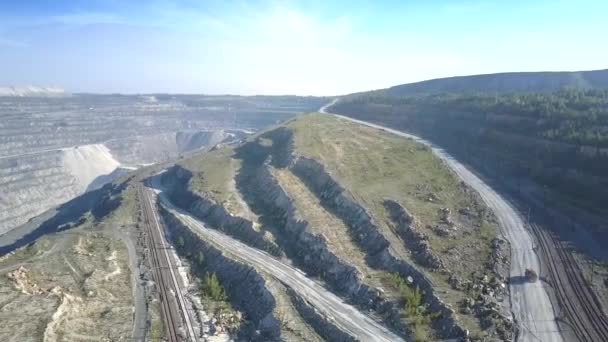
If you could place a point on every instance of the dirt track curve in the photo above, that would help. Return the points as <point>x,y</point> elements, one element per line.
<point>532,310</point>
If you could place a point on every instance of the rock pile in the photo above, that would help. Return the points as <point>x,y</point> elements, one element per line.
<point>24,283</point>
<point>501,256</point>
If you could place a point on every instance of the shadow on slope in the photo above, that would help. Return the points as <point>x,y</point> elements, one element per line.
<point>102,180</point>
<point>99,203</point>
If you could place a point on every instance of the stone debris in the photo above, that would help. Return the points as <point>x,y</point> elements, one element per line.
<point>442,230</point>
<point>24,283</point>
<point>466,211</point>
<point>446,216</point>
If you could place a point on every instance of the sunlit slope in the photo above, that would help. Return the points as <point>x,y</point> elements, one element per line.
<point>373,215</point>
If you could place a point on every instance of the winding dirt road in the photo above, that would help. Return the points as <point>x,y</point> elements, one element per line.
<point>530,304</point>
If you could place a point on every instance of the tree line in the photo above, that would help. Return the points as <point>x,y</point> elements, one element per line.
<point>577,116</point>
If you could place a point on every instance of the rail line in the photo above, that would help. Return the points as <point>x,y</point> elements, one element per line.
<point>578,301</point>
<point>168,288</point>
<point>165,306</point>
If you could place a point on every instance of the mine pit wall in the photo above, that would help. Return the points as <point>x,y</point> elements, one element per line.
<point>245,287</point>
<point>159,147</point>
<point>32,184</point>
<point>366,234</point>
<point>216,216</point>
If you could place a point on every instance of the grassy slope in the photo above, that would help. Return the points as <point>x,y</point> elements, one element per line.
<point>321,222</point>
<point>213,175</point>
<point>374,165</point>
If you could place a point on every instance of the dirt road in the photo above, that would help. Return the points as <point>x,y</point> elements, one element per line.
<point>530,304</point>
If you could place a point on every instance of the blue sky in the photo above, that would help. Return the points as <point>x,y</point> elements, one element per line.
<point>289,47</point>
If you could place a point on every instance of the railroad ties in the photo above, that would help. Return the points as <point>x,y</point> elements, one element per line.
<point>581,307</point>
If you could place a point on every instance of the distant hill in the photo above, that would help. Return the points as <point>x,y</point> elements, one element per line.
<point>549,127</point>
<point>31,91</point>
<point>507,82</point>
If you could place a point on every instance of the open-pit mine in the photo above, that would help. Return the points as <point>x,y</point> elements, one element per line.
<point>221,218</point>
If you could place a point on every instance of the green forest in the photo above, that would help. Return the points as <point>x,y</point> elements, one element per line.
<point>573,116</point>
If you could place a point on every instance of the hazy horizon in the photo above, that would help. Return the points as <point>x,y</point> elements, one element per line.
<point>288,47</point>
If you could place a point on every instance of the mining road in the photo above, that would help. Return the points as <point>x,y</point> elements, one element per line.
<point>530,304</point>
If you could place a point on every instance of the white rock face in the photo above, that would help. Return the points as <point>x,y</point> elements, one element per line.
<point>34,183</point>
<point>40,168</point>
<point>141,150</point>
<point>31,91</point>
<point>86,163</point>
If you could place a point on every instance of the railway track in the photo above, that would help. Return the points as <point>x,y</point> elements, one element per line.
<point>172,304</point>
<point>168,316</point>
<point>580,305</point>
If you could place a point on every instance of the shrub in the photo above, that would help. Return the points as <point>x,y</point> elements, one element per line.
<point>413,311</point>
<point>211,288</point>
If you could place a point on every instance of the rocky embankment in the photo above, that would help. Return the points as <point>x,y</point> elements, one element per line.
<point>266,197</point>
<point>366,234</point>
<point>269,179</point>
<point>271,310</point>
<point>245,288</point>
<point>275,208</point>
<point>311,252</point>
<point>484,306</point>
<point>216,216</point>
<point>416,241</point>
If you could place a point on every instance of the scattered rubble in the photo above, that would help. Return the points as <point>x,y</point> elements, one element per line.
<point>366,234</point>
<point>501,256</point>
<point>24,283</point>
<point>415,241</point>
